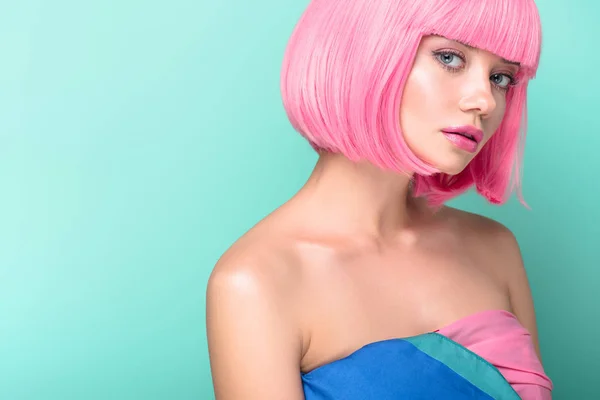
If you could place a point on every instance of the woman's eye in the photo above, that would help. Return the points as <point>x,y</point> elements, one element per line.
<point>501,80</point>
<point>450,59</point>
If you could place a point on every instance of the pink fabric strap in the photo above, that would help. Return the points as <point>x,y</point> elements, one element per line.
<point>498,337</point>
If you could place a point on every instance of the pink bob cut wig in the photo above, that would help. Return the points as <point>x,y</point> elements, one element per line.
<point>346,64</point>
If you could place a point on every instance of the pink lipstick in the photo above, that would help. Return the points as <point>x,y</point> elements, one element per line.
<point>465,137</point>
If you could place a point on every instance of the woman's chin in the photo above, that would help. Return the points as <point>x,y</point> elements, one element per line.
<point>450,164</point>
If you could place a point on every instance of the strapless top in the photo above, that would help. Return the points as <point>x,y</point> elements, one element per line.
<point>487,355</point>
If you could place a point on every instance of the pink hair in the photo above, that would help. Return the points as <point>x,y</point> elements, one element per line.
<point>346,65</point>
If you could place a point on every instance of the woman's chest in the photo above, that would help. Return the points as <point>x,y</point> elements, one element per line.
<point>362,298</point>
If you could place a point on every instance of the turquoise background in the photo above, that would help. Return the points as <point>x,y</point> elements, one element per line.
<point>138,139</point>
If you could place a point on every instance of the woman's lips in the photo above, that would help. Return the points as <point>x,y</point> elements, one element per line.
<point>462,142</point>
<point>465,137</point>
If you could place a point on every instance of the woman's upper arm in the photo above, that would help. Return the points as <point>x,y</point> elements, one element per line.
<point>254,343</point>
<point>521,298</point>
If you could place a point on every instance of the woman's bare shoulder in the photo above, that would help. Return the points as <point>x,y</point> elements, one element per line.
<point>480,226</point>
<point>252,318</point>
<point>263,255</point>
<point>501,251</point>
<point>490,242</point>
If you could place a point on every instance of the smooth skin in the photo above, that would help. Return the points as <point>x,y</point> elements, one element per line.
<point>352,258</point>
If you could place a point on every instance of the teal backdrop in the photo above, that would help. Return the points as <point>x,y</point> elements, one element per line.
<point>138,139</point>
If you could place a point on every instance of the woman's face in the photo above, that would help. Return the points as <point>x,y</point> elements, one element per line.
<point>453,102</point>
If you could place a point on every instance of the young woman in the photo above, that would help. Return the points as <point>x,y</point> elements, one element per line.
<point>364,285</point>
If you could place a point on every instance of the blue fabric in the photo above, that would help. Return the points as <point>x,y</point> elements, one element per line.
<point>388,370</point>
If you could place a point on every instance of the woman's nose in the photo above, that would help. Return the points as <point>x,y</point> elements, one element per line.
<point>478,97</point>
